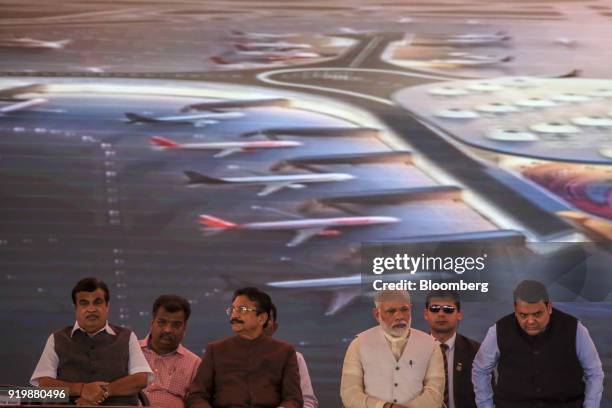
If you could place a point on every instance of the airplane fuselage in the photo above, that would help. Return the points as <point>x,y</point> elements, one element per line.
<point>295,178</point>
<point>263,144</point>
<point>319,223</point>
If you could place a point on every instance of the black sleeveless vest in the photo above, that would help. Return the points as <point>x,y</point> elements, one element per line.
<point>542,370</point>
<point>103,357</point>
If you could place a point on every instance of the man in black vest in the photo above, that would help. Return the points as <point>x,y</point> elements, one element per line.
<point>544,357</point>
<point>99,363</point>
<point>443,313</point>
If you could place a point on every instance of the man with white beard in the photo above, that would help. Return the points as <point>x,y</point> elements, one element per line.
<point>392,365</point>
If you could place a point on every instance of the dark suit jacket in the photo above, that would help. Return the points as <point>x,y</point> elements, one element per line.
<point>463,390</point>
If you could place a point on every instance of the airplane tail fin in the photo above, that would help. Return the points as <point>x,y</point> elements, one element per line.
<point>163,142</point>
<point>198,178</point>
<point>217,59</point>
<point>208,221</point>
<point>134,118</point>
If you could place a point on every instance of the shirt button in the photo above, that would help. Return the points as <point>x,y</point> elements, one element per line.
<point>397,368</point>
<point>394,400</point>
<point>396,384</point>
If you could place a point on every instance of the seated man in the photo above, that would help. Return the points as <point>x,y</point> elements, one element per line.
<point>310,400</point>
<point>99,363</point>
<point>249,369</point>
<point>174,365</point>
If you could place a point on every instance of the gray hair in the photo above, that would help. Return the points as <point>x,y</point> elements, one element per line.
<point>390,296</point>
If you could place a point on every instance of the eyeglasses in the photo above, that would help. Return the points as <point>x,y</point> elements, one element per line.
<point>447,309</point>
<point>240,309</point>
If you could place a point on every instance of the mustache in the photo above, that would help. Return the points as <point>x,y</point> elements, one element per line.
<point>236,320</point>
<point>167,336</point>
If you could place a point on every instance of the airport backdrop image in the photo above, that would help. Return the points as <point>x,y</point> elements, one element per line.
<point>194,147</point>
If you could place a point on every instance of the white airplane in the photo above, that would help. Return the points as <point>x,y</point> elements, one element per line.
<point>198,120</point>
<point>262,57</point>
<point>26,42</point>
<point>226,148</point>
<point>271,46</point>
<point>21,105</point>
<point>277,55</point>
<point>469,60</point>
<point>304,229</point>
<point>260,36</point>
<point>346,289</point>
<point>477,39</point>
<point>272,183</point>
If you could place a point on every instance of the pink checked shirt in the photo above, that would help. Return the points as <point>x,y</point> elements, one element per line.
<point>174,373</point>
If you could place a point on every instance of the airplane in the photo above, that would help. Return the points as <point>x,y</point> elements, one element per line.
<point>224,105</point>
<point>260,36</point>
<point>198,120</point>
<point>477,39</point>
<point>469,60</point>
<point>470,39</point>
<point>271,46</point>
<point>304,228</point>
<point>346,289</point>
<point>226,148</point>
<point>260,57</point>
<point>272,183</point>
<point>26,42</point>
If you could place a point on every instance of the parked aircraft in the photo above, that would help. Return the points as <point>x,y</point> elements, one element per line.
<point>198,120</point>
<point>25,42</point>
<point>226,148</point>
<point>271,46</point>
<point>272,183</point>
<point>304,228</point>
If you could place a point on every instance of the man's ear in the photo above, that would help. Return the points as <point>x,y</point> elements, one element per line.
<point>376,314</point>
<point>263,318</point>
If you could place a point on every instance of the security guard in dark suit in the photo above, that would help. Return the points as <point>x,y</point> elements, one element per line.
<point>443,313</point>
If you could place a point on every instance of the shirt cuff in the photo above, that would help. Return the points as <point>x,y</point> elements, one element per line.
<point>150,375</point>
<point>34,380</point>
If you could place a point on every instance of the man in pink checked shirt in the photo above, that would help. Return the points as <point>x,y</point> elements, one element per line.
<point>174,366</point>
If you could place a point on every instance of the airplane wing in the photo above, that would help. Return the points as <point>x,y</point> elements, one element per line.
<point>227,152</point>
<point>304,235</point>
<point>22,105</point>
<point>341,299</point>
<point>204,122</point>
<point>274,187</point>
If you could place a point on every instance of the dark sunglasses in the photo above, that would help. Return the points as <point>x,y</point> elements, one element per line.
<point>446,309</point>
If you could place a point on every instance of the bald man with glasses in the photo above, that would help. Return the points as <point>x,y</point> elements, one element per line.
<point>443,313</point>
<point>249,369</point>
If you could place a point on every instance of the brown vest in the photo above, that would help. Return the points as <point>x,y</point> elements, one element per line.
<point>103,357</point>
